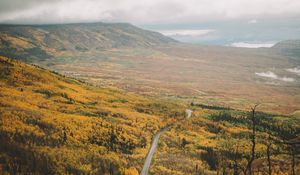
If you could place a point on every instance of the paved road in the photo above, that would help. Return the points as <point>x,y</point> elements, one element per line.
<point>154,145</point>
<point>189,113</point>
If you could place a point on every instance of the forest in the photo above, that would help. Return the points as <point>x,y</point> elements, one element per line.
<point>53,124</point>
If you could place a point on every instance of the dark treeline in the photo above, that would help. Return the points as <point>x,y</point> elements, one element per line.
<point>270,146</point>
<point>210,106</point>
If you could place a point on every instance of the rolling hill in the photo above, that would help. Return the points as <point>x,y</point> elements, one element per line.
<point>46,41</point>
<point>289,48</point>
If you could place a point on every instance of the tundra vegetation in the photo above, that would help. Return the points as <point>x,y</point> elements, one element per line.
<point>52,124</point>
<point>145,62</point>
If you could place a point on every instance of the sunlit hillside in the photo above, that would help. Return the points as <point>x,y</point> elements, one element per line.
<point>56,125</point>
<point>51,124</point>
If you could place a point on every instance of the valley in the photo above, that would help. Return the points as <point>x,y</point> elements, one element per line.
<point>97,98</point>
<point>145,62</point>
<point>207,74</point>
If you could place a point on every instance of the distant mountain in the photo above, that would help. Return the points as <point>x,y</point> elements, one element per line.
<point>289,48</point>
<point>43,41</point>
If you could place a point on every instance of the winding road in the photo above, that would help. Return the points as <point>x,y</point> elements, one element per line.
<point>189,113</point>
<point>154,145</point>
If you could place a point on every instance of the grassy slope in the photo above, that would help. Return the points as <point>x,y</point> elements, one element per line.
<point>210,141</point>
<point>53,124</point>
<point>36,42</point>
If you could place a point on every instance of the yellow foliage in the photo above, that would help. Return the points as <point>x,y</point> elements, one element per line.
<point>59,125</point>
<point>130,171</point>
<point>72,124</point>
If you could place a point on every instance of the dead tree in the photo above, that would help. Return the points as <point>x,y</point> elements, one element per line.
<point>293,151</point>
<point>235,160</point>
<point>269,144</point>
<point>253,139</point>
<point>293,145</point>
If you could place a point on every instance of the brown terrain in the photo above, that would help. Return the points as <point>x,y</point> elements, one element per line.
<point>126,57</point>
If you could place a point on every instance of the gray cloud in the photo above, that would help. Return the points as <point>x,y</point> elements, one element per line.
<point>143,11</point>
<point>15,5</point>
<point>273,76</point>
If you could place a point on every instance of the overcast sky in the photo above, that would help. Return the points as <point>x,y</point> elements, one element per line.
<point>208,20</point>
<point>143,11</point>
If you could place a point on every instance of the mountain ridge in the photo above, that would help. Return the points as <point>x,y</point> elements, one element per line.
<point>288,47</point>
<point>44,41</point>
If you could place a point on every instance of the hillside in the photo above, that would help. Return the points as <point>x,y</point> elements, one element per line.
<point>51,124</point>
<point>55,125</point>
<point>46,41</point>
<point>289,48</point>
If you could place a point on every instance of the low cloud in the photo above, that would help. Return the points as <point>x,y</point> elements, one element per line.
<point>252,45</point>
<point>143,11</point>
<point>295,70</point>
<point>287,79</point>
<point>191,32</point>
<point>253,21</point>
<point>268,74</point>
<point>272,75</point>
